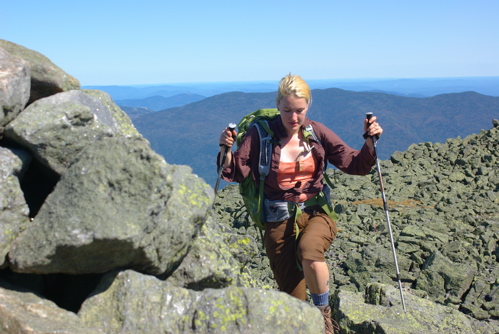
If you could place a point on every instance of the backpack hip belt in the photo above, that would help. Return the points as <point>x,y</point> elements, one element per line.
<point>276,211</point>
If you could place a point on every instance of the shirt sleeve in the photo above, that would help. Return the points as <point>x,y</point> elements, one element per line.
<point>242,162</point>
<point>345,158</point>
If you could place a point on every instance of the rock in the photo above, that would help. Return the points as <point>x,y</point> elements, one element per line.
<point>118,206</point>
<point>124,126</point>
<point>440,276</point>
<point>397,157</point>
<point>457,176</point>
<point>46,78</point>
<point>69,121</point>
<point>380,311</point>
<point>24,312</point>
<point>13,208</point>
<point>132,303</point>
<point>14,86</point>
<point>218,258</point>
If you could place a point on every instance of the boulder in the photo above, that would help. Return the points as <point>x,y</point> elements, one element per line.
<point>55,129</point>
<point>218,258</point>
<point>380,311</point>
<point>25,312</point>
<point>129,302</point>
<point>442,277</point>
<point>119,205</point>
<point>14,86</point>
<point>13,208</point>
<point>46,77</point>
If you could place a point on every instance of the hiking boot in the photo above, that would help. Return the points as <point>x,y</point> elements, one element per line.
<point>331,325</point>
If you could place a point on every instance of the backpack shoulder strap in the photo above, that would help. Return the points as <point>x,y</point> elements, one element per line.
<point>265,135</point>
<point>264,160</point>
<point>310,129</point>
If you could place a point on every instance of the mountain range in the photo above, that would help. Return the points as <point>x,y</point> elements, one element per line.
<point>188,135</point>
<point>158,102</point>
<point>413,87</point>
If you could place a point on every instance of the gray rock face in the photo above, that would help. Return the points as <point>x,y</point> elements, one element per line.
<point>46,77</point>
<point>117,198</point>
<point>133,303</point>
<point>14,86</point>
<point>55,129</point>
<point>25,312</point>
<point>440,274</point>
<point>219,258</point>
<point>379,311</point>
<point>13,208</point>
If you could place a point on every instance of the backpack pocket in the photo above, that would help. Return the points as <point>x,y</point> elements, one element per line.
<point>276,211</point>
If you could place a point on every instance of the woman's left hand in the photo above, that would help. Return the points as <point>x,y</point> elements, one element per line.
<point>372,128</point>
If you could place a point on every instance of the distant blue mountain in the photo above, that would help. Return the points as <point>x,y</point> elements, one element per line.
<point>205,89</point>
<point>188,135</point>
<point>134,112</point>
<point>424,87</point>
<point>157,102</point>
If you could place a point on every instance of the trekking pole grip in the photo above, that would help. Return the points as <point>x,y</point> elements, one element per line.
<point>231,127</point>
<point>369,115</point>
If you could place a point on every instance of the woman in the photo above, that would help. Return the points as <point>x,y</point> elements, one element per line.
<point>297,166</point>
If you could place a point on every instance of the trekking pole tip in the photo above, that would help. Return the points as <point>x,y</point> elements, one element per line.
<point>489,297</point>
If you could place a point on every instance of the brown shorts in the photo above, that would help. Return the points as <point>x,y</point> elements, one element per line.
<point>317,232</point>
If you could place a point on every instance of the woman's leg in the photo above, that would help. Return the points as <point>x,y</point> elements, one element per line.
<point>315,238</point>
<point>280,245</point>
<point>316,276</point>
<point>317,233</point>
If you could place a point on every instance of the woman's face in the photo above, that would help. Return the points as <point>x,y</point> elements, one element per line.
<point>293,110</point>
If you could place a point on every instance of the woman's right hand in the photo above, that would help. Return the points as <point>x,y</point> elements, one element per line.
<point>227,138</point>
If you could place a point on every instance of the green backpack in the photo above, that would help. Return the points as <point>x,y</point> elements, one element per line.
<point>252,196</point>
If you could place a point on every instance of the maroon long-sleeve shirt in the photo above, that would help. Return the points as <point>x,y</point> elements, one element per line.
<point>330,148</point>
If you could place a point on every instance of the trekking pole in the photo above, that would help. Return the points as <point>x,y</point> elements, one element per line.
<point>490,296</point>
<point>231,127</point>
<point>385,206</point>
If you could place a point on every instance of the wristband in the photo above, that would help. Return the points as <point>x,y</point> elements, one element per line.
<point>365,135</point>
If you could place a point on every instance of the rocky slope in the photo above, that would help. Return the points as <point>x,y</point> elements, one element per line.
<point>99,234</point>
<point>443,200</point>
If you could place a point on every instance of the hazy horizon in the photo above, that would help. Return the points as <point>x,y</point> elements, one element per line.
<point>155,41</point>
<point>310,81</point>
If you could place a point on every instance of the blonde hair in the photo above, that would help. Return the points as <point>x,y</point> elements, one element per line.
<point>293,84</point>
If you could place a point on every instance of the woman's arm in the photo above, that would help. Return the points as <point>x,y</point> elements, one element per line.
<point>227,139</point>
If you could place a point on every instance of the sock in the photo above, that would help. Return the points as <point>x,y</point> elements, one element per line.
<point>320,299</point>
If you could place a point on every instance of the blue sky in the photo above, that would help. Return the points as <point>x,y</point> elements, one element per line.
<point>110,42</point>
